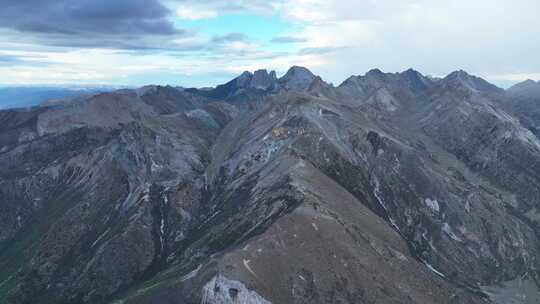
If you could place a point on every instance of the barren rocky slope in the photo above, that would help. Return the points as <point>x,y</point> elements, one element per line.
<point>390,188</point>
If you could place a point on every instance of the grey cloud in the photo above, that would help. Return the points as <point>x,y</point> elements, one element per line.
<point>87,17</point>
<point>288,39</point>
<point>60,43</point>
<point>88,23</point>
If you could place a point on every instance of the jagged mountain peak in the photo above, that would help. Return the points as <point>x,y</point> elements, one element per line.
<point>295,69</point>
<point>297,77</point>
<point>249,79</point>
<point>460,79</point>
<point>244,79</point>
<point>528,82</point>
<point>250,86</point>
<point>261,79</point>
<point>416,80</point>
<point>245,74</point>
<point>371,75</point>
<point>375,73</point>
<point>409,82</point>
<point>412,73</point>
<point>526,86</point>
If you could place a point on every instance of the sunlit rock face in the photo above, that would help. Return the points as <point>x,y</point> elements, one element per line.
<point>389,188</point>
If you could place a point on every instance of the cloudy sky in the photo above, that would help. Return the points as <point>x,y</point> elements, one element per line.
<point>203,43</point>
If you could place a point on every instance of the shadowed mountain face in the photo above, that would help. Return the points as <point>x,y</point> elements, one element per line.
<point>524,100</point>
<point>390,188</point>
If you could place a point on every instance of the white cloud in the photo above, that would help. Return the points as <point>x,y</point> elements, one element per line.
<point>497,39</point>
<point>484,37</point>
<point>195,13</point>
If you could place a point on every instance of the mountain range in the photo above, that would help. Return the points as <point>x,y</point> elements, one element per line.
<point>18,97</point>
<point>389,188</point>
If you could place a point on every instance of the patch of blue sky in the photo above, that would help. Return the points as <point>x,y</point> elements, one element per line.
<point>256,27</point>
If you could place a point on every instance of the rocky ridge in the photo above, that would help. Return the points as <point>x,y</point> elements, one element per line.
<point>389,188</point>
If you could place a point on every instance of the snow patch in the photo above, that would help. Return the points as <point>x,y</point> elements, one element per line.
<point>154,166</point>
<point>448,230</point>
<point>385,100</point>
<point>162,232</point>
<point>430,267</point>
<point>377,194</point>
<point>432,204</point>
<point>246,264</point>
<point>100,238</point>
<point>191,274</point>
<point>221,290</point>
